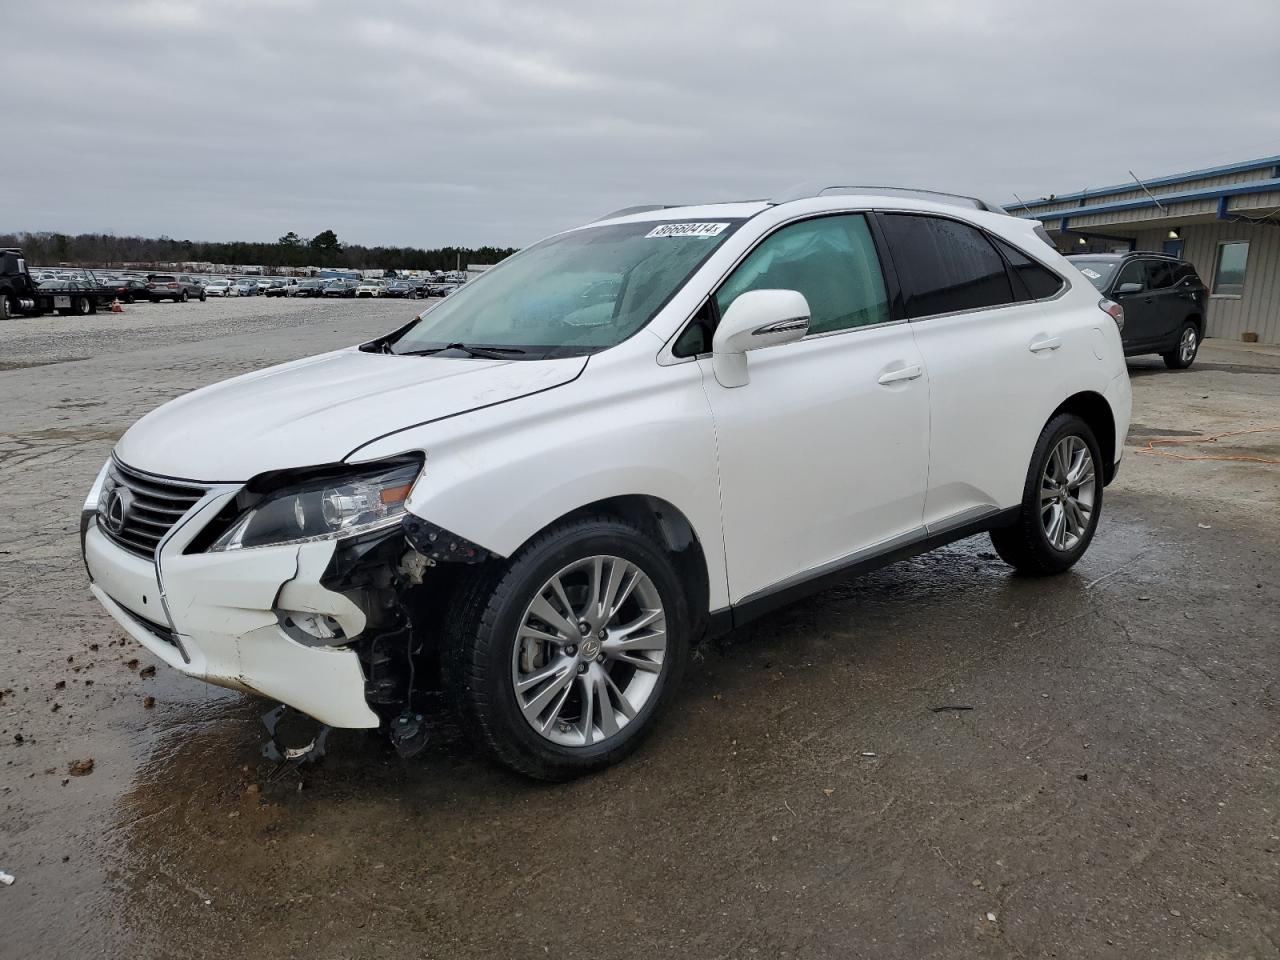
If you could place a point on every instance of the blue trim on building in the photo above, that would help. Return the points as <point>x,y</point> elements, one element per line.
<point>1230,168</point>
<point>1184,196</point>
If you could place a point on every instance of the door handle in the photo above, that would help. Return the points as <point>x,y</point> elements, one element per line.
<point>1047,343</point>
<point>909,372</point>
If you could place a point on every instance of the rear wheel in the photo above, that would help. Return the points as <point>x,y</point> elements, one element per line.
<point>184,298</point>
<point>1061,501</point>
<point>82,306</point>
<point>559,660</point>
<point>1184,354</point>
<point>203,296</point>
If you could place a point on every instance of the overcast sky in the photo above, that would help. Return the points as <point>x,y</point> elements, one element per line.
<point>499,121</point>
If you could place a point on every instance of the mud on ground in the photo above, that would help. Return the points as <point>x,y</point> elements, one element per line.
<point>938,760</point>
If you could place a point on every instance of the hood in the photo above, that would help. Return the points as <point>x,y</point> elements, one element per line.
<point>320,409</point>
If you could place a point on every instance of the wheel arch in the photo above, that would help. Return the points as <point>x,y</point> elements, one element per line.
<point>1094,410</point>
<point>672,530</point>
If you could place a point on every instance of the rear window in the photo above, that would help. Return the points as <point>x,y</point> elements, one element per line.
<point>163,278</point>
<point>945,266</point>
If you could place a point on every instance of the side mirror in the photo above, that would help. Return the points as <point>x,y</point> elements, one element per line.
<point>1127,288</point>
<point>757,318</point>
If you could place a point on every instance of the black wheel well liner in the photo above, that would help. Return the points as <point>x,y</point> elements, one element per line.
<point>1094,410</point>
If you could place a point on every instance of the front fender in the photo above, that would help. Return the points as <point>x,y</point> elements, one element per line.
<point>499,475</point>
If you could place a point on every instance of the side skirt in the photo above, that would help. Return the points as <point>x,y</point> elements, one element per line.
<point>815,581</point>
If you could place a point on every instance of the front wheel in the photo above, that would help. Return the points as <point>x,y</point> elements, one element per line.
<point>559,660</point>
<point>8,309</point>
<point>1061,501</point>
<point>203,296</point>
<point>1185,353</point>
<point>185,297</point>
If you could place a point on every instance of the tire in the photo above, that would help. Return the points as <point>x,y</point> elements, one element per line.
<point>203,296</point>
<point>1184,354</point>
<point>129,298</point>
<point>7,309</point>
<point>1035,544</point>
<point>81,306</point>
<point>484,654</point>
<point>184,298</point>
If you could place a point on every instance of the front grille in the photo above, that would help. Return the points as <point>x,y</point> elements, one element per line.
<point>136,510</point>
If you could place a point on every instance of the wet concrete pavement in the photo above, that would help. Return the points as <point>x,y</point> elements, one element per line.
<point>817,790</point>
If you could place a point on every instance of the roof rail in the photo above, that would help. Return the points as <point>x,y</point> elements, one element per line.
<point>643,208</point>
<point>804,191</point>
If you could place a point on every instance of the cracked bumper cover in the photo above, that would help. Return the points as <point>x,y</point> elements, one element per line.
<point>213,616</point>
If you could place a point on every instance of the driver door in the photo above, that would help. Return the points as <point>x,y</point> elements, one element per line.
<point>823,454</point>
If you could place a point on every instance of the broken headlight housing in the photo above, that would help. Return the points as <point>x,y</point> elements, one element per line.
<point>325,506</point>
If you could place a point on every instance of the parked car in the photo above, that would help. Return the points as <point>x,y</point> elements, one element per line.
<point>371,288</point>
<point>246,287</point>
<point>179,289</point>
<point>264,284</point>
<point>280,287</point>
<point>1165,302</point>
<point>400,288</point>
<point>537,505</point>
<point>127,291</point>
<point>218,287</point>
<point>307,288</point>
<point>340,288</point>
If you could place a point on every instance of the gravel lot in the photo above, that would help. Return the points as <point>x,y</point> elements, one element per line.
<point>1108,787</point>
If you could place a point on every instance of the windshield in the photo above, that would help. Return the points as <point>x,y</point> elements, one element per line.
<point>569,295</point>
<point>1098,271</point>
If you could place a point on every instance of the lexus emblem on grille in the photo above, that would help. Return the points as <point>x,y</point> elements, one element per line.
<point>119,502</point>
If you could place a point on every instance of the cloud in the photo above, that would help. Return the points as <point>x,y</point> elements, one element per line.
<point>501,121</point>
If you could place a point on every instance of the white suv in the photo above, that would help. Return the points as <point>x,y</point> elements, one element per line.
<point>541,492</point>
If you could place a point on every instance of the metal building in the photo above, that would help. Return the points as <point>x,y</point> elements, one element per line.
<point>1225,220</point>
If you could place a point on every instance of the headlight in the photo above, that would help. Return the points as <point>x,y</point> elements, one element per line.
<point>324,508</point>
<point>95,492</point>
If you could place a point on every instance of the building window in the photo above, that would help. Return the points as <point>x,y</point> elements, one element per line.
<point>1228,274</point>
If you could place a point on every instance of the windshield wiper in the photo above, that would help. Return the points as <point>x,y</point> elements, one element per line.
<point>486,353</point>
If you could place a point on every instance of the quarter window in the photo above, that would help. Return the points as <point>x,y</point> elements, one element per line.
<point>831,260</point>
<point>945,266</point>
<point>1031,281</point>
<point>1228,274</point>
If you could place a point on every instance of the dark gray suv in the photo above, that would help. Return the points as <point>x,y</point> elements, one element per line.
<point>1163,298</point>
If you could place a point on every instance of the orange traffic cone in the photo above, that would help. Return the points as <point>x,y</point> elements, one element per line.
<point>117,306</point>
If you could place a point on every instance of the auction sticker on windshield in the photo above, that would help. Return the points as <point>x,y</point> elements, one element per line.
<point>1091,274</point>
<point>687,230</point>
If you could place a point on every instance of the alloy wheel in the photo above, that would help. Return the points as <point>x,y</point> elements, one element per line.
<point>590,651</point>
<point>1187,348</point>
<point>1068,492</point>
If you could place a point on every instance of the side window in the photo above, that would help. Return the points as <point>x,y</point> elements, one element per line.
<point>1031,281</point>
<point>1159,274</point>
<point>831,260</point>
<point>1132,273</point>
<point>945,266</point>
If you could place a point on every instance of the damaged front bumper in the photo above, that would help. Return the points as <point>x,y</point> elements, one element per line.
<point>240,619</point>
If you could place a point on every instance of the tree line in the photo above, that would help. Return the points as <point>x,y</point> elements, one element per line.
<point>291,250</point>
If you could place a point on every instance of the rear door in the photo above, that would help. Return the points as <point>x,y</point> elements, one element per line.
<point>1166,310</point>
<point>998,349</point>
